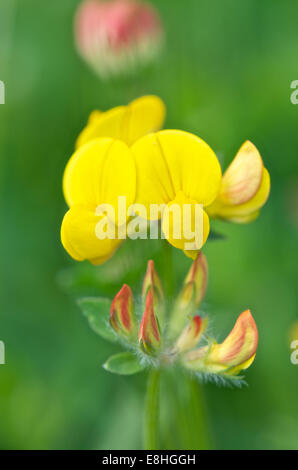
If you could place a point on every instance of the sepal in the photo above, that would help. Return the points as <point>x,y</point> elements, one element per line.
<point>125,363</point>
<point>96,310</point>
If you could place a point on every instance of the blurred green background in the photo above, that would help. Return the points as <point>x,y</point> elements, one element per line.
<point>225,74</point>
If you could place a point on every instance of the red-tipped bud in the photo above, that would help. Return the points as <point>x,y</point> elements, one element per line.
<point>240,345</point>
<point>122,317</point>
<point>116,36</point>
<point>191,334</point>
<point>149,334</point>
<point>236,353</point>
<point>191,295</point>
<point>195,283</point>
<point>153,282</point>
<point>245,187</point>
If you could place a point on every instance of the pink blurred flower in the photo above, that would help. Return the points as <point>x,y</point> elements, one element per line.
<point>116,36</point>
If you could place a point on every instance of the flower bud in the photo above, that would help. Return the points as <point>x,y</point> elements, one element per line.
<point>116,36</point>
<point>149,334</point>
<point>195,284</point>
<point>245,187</point>
<point>191,295</point>
<point>191,334</point>
<point>122,317</point>
<point>152,282</point>
<point>242,179</point>
<point>236,353</point>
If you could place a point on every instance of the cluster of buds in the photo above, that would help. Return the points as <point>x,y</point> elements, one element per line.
<point>116,36</point>
<point>163,338</point>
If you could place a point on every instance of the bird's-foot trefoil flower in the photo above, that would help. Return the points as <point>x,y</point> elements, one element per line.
<point>152,344</point>
<point>179,171</point>
<point>170,179</point>
<point>116,37</point>
<point>100,172</point>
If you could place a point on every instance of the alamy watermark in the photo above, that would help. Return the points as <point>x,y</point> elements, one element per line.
<point>294,94</point>
<point>2,353</point>
<point>2,92</point>
<point>178,222</point>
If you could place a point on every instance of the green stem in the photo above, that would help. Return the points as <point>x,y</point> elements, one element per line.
<point>201,432</point>
<point>186,413</point>
<point>152,411</point>
<point>190,410</point>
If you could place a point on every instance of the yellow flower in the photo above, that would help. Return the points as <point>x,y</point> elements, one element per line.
<point>101,170</point>
<point>175,168</point>
<point>126,123</point>
<point>244,189</point>
<point>98,173</point>
<point>174,175</point>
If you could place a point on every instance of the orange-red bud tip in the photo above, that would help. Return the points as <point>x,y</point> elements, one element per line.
<point>149,334</point>
<point>152,280</point>
<point>122,317</point>
<point>191,334</point>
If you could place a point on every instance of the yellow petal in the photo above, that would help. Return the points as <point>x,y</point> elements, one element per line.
<point>144,115</point>
<point>94,116</point>
<point>169,162</point>
<point>185,224</point>
<point>246,212</point>
<point>107,124</point>
<point>245,365</point>
<point>242,179</point>
<point>126,123</point>
<point>154,180</point>
<point>100,172</point>
<point>78,236</point>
